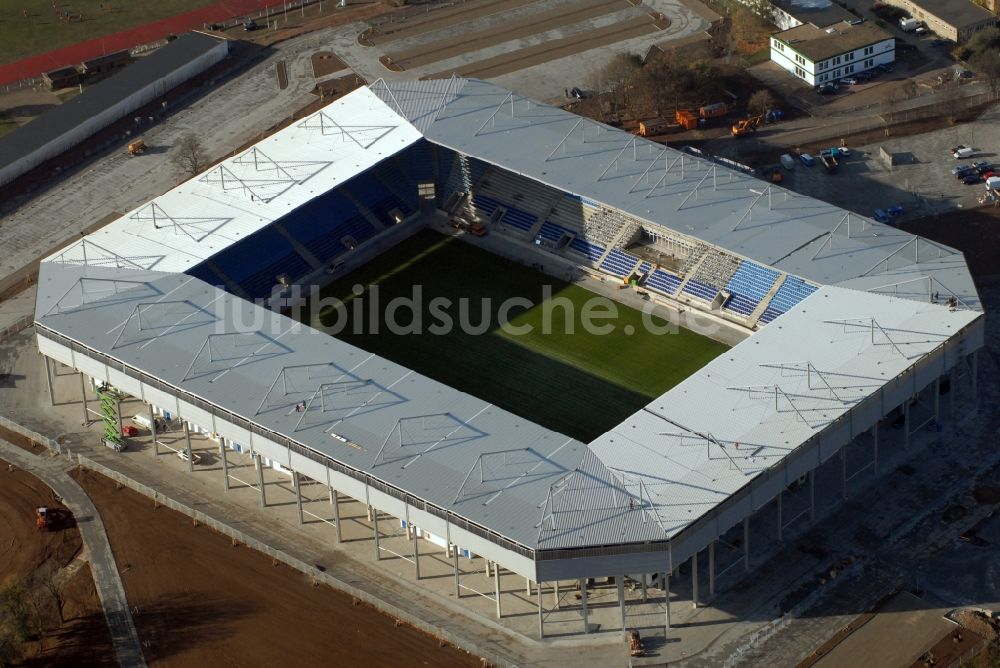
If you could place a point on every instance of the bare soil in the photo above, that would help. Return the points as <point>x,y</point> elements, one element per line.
<point>202,601</point>
<point>31,556</point>
<point>324,63</point>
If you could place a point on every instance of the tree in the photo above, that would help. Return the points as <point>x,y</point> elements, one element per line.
<point>189,154</point>
<point>618,77</point>
<point>952,101</point>
<point>761,102</point>
<point>987,63</point>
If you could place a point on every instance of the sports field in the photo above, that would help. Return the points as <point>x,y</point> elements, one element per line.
<point>543,365</point>
<point>28,27</point>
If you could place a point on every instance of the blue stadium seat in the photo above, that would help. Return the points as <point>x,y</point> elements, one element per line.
<point>619,263</point>
<point>701,290</point>
<point>552,232</point>
<point>663,281</point>
<point>748,286</point>
<point>591,251</point>
<point>791,292</point>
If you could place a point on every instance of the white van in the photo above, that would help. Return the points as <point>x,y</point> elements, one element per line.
<point>964,152</point>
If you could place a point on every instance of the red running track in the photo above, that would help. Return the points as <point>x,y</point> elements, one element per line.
<point>126,39</point>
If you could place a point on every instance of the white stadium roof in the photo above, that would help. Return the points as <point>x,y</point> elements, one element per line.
<point>793,382</point>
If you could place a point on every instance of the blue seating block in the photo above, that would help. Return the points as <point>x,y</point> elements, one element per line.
<point>791,292</point>
<point>619,263</point>
<point>748,286</point>
<point>663,281</point>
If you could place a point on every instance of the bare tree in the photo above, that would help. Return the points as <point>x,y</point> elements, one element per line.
<point>189,154</point>
<point>952,101</point>
<point>761,102</point>
<point>987,63</point>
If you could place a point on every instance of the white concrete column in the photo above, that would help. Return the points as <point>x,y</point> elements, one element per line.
<point>694,580</point>
<point>259,464</point>
<point>187,446</point>
<point>378,546</point>
<point>453,551</point>
<point>152,431</point>
<point>222,455</point>
<point>666,592</point>
<point>496,586</point>
<point>541,621</point>
<point>527,586</point>
<point>335,500</point>
<point>48,380</point>
<point>83,397</point>
<point>297,485</point>
<point>555,592</point>
<point>416,550</point>
<point>583,603</point>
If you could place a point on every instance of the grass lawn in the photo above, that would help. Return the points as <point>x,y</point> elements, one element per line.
<point>43,31</point>
<point>7,126</point>
<point>559,376</point>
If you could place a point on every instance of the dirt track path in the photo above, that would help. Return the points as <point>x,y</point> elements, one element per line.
<point>102,561</point>
<point>442,19</point>
<point>559,48</point>
<point>530,25</point>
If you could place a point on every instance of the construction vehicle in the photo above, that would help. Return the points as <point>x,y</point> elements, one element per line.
<point>138,147</point>
<point>42,517</point>
<point>746,126</point>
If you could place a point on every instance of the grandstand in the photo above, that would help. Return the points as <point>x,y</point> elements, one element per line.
<point>156,304</point>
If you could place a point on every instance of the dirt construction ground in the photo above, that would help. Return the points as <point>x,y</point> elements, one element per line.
<point>198,600</point>
<point>31,557</point>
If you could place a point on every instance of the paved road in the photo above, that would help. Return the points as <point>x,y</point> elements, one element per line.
<point>53,472</point>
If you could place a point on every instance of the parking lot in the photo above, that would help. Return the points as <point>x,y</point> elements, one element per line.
<point>921,182</point>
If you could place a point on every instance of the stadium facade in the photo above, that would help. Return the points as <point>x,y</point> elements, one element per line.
<point>850,321</point>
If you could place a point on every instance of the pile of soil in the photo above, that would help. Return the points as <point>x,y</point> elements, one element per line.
<point>198,600</point>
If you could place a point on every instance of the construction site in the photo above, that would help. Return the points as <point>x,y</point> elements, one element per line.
<point>706,485</point>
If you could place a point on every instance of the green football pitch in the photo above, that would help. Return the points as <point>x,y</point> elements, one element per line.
<point>543,364</point>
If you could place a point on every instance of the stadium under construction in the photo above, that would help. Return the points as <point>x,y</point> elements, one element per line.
<point>849,324</point>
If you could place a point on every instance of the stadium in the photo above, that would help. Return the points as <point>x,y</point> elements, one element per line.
<point>561,458</point>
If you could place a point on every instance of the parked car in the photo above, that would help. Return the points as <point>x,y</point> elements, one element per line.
<point>864,76</point>
<point>250,26</point>
<point>881,216</point>
<point>970,179</point>
<point>962,171</point>
<point>982,166</point>
<point>956,149</point>
<point>807,160</point>
<point>844,151</point>
<point>964,152</point>
<point>829,88</point>
<point>850,81</point>
<point>895,211</point>
<point>986,176</point>
<point>964,74</point>
<point>787,161</point>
